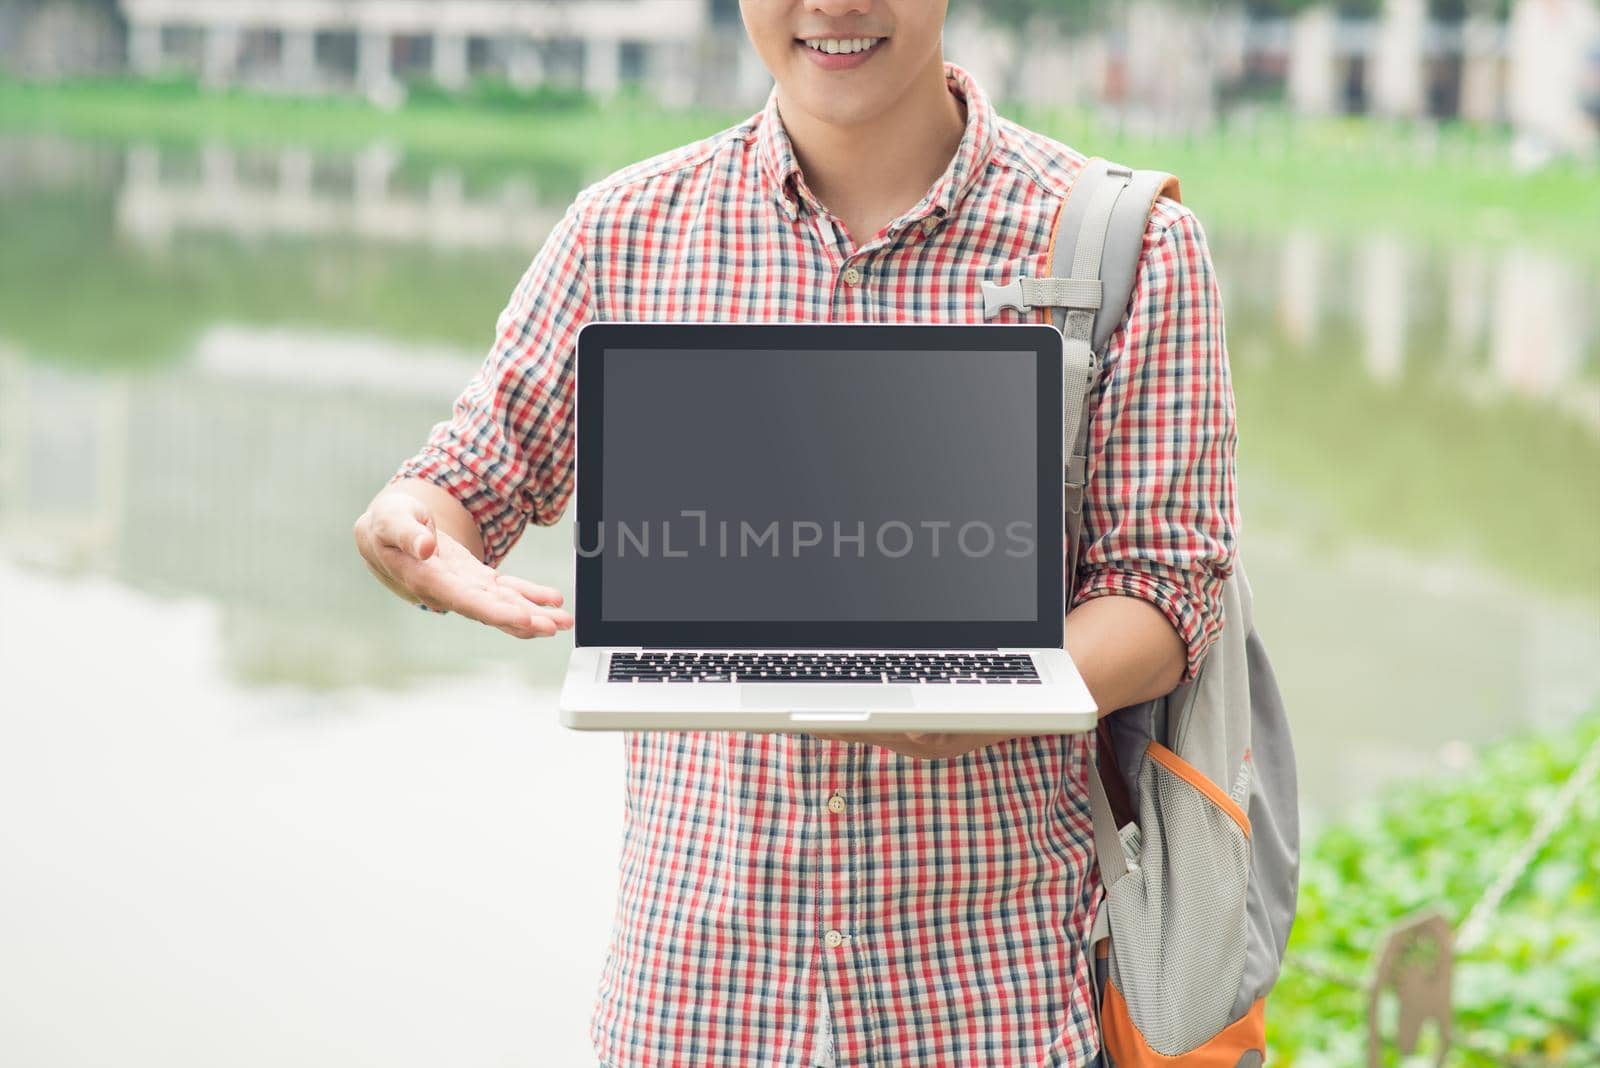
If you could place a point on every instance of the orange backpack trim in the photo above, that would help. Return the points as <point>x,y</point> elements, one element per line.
<point>1128,1048</point>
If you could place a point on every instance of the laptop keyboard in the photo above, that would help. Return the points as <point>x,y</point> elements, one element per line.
<point>974,668</point>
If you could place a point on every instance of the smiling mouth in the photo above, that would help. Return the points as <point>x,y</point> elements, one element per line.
<point>842,46</point>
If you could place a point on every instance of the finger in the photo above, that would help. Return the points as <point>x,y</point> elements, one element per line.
<point>443,590</point>
<point>560,616</point>
<point>919,745</point>
<point>408,524</point>
<point>519,620</point>
<point>427,542</point>
<point>532,591</point>
<point>433,582</point>
<point>949,746</point>
<point>528,628</point>
<point>518,624</point>
<point>893,742</point>
<point>400,525</point>
<point>516,618</point>
<point>857,737</point>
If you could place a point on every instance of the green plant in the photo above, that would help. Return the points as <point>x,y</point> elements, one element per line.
<point>1529,994</point>
<point>498,94</point>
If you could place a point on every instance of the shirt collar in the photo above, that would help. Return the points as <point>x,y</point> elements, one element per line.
<point>787,184</point>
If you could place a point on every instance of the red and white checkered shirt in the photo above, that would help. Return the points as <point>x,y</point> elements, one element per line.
<point>943,906</point>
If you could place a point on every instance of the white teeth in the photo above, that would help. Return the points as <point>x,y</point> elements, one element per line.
<point>846,45</point>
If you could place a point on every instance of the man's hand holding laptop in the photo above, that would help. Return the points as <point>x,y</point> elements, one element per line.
<point>924,745</point>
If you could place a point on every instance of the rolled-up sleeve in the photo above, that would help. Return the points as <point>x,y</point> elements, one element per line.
<point>506,451</point>
<point>1160,507</point>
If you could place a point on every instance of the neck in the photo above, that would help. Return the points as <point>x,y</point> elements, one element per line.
<point>845,164</point>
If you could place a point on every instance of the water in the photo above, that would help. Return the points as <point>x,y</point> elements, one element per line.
<point>254,810</point>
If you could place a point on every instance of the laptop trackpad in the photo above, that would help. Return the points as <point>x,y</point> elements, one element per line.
<point>822,696</point>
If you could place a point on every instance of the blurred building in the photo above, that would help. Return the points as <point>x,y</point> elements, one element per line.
<point>1175,66</point>
<point>1536,70</point>
<point>375,45</point>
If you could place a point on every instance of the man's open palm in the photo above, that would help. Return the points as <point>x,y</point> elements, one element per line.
<point>408,554</point>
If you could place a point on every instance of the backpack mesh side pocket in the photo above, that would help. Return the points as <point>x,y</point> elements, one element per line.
<point>1178,916</point>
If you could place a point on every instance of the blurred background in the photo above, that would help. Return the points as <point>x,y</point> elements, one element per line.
<point>255,811</point>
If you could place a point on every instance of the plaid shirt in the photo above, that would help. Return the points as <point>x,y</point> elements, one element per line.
<point>941,906</point>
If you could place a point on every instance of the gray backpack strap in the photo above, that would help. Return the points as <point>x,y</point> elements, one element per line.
<point>1108,841</point>
<point>1200,885</point>
<point>1099,236</point>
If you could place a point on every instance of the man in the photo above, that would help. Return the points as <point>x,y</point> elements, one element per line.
<point>794,899</point>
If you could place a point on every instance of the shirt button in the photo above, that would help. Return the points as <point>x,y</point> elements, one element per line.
<point>836,803</point>
<point>929,226</point>
<point>852,276</point>
<point>834,939</point>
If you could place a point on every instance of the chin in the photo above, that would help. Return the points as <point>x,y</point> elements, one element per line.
<point>839,106</point>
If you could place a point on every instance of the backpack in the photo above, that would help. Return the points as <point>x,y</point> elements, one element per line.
<point>1194,804</point>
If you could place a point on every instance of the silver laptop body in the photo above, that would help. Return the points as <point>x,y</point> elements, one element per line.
<point>792,527</point>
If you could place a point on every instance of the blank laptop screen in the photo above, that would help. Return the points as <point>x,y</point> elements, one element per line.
<point>787,486</point>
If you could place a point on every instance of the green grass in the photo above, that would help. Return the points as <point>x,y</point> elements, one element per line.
<point>1349,175</point>
<point>492,125</point>
<point>1529,995</point>
<point>1271,173</point>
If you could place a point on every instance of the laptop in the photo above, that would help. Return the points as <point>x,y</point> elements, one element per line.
<point>790,526</point>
